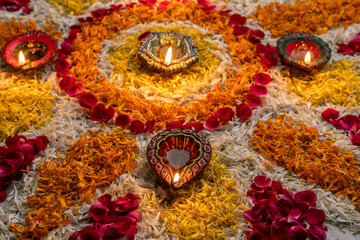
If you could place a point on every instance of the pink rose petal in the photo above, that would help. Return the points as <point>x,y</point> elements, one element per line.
<point>122,120</point>
<point>253,101</point>
<point>137,127</point>
<point>317,232</point>
<point>209,9</point>
<point>176,124</point>
<point>344,49</point>
<point>306,196</point>
<point>197,126</point>
<point>225,113</point>
<point>262,78</point>
<point>88,100</point>
<point>315,216</point>
<point>98,212</point>
<point>237,19</point>
<point>204,3</point>
<point>258,90</point>
<point>356,139</point>
<point>240,30</point>
<point>212,123</point>
<point>243,111</point>
<point>330,113</point>
<point>262,181</point>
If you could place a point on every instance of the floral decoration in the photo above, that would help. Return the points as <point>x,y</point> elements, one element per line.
<point>336,83</point>
<point>111,219</point>
<point>353,47</point>
<point>14,5</point>
<point>302,151</point>
<point>278,214</point>
<point>73,7</point>
<point>206,208</point>
<point>349,123</point>
<point>28,103</point>
<point>84,43</point>
<point>307,16</point>
<point>18,153</point>
<point>90,163</point>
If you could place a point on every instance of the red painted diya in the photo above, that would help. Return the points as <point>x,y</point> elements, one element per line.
<point>30,50</point>
<point>178,155</point>
<point>303,50</point>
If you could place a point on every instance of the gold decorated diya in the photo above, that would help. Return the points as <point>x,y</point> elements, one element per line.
<point>178,155</point>
<point>30,50</point>
<point>168,51</point>
<point>303,50</point>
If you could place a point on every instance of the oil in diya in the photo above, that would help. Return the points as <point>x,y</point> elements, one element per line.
<point>167,51</point>
<point>30,50</point>
<point>178,155</point>
<point>303,50</point>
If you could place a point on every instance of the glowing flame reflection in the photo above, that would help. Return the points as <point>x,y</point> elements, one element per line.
<point>307,58</point>
<point>168,57</point>
<point>21,58</point>
<point>176,178</point>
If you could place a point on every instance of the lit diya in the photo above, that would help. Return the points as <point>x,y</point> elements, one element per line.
<point>168,51</point>
<point>30,50</point>
<point>178,155</point>
<point>303,50</point>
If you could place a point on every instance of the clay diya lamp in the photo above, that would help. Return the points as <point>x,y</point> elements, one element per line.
<point>30,50</point>
<point>168,51</point>
<point>303,50</point>
<point>178,155</point>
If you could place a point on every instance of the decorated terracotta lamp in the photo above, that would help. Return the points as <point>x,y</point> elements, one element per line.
<point>168,51</point>
<point>30,50</point>
<point>178,155</point>
<point>303,50</point>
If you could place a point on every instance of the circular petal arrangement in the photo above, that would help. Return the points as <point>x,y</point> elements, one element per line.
<point>278,152</point>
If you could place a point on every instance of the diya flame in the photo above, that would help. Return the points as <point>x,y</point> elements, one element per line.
<point>168,56</point>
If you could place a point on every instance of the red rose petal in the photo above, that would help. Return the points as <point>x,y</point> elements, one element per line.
<point>122,120</point>
<point>204,3</point>
<point>257,33</point>
<point>88,100</point>
<point>149,126</point>
<point>262,78</point>
<point>330,114</point>
<point>356,39</point>
<point>62,65</point>
<point>317,232</point>
<point>197,126</point>
<point>76,90</point>
<point>237,19</point>
<point>27,10</point>
<point>349,122</point>
<point>98,211</point>
<point>3,195</point>
<point>356,139</point>
<point>137,127</point>
<point>240,30</point>
<point>176,124</point>
<point>86,20</point>
<point>6,169</point>
<point>109,114</point>
<point>315,216</point>
<point>135,215</point>
<point>67,82</point>
<point>224,12</point>
<point>243,111</point>
<point>258,90</point>
<point>99,13</point>
<point>306,196</point>
<point>344,49</point>
<point>209,9</point>
<point>225,113</point>
<point>253,101</point>
<point>212,123</point>
<point>163,5</point>
<point>130,5</point>
<point>262,181</point>
<point>98,112</point>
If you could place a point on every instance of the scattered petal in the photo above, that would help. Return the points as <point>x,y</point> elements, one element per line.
<point>237,19</point>
<point>212,123</point>
<point>330,114</point>
<point>243,111</point>
<point>253,101</point>
<point>137,127</point>
<point>225,113</point>
<point>122,120</point>
<point>258,90</point>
